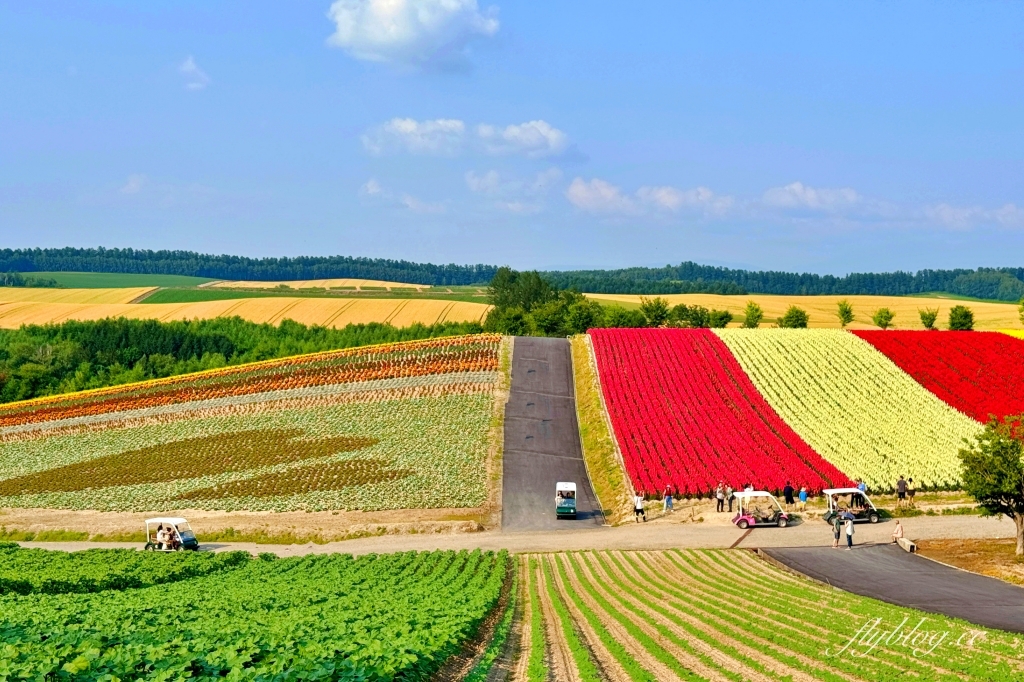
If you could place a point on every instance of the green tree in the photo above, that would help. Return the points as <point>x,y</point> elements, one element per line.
<point>510,321</point>
<point>655,309</point>
<point>752,315</point>
<point>794,318</point>
<point>961,318</point>
<point>993,472</point>
<point>512,289</point>
<point>845,313</point>
<point>928,317</point>
<point>617,316</point>
<point>583,315</point>
<point>719,319</point>
<point>695,316</point>
<point>883,318</point>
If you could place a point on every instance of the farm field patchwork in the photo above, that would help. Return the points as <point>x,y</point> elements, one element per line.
<point>118,280</point>
<point>727,615</point>
<point>396,426</point>
<point>822,309</point>
<point>686,414</point>
<point>327,312</point>
<point>81,296</point>
<point>336,283</point>
<point>854,406</point>
<point>979,373</point>
<point>373,618</point>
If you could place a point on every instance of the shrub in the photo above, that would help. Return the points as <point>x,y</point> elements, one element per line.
<point>883,318</point>
<point>961,318</point>
<point>697,316</point>
<point>928,317</point>
<point>845,313</point>
<point>719,319</point>
<point>655,310</point>
<point>794,318</point>
<point>752,315</point>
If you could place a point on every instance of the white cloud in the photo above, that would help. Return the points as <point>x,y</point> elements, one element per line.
<point>409,32</point>
<point>799,195</point>
<point>520,207</point>
<point>439,136</point>
<point>195,78</point>
<point>417,206</point>
<point>963,217</point>
<point>535,139</point>
<point>134,184</point>
<point>597,196</point>
<point>371,188</point>
<point>486,183</point>
<point>672,199</point>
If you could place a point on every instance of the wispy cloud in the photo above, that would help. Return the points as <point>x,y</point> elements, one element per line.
<point>195,78</point>
<point>598,196</point>
<point>442,136</point>
<point>449,136</point>
<point>134,184</point>
<point>797,195</point>
<point>533,139</point>
<point>966,217</point>
<point>373,190</point>
<point>419,33</point>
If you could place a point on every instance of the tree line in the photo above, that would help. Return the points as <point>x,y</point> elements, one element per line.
<point>72,356</point>
<point>1003,284</point>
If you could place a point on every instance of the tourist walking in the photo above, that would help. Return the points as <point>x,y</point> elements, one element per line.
<point>849,532</point>
<point>787,494</point>
<point>638,507</point>
<point>803,498</point>
<point>668,498</point>
<point>837,528</point>
<point>901,492</point>
<point>720,497</point>
<point>911,489</point>
<point>729,496</point>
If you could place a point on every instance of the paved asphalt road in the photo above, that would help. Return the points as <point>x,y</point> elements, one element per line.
<point>888,573</point>
<point>542,441</point>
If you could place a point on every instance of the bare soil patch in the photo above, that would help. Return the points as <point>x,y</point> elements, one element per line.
<point>995,558</point>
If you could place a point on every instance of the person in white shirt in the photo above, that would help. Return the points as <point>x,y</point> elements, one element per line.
<point>161,537</point>
<point>638,508</point>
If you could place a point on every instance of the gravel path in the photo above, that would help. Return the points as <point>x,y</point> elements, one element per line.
<point>654,535</point>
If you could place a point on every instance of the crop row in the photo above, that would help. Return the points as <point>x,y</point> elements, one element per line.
<point>26,571</point>
<point>726,615</point>
<point>417,358</point>
<point>319,617</point>
<point>687,416</point>
<point>979,373</point>
<point>853,405</point>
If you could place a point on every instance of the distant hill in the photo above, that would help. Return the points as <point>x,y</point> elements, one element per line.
<point>1004,284</point>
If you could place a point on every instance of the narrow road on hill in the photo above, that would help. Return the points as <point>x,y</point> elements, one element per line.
<point>888,573</point>
<point>542,440</point>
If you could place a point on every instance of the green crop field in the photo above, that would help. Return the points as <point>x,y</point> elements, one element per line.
<point>194,295</point>
<point>115,280</point>
<point>328,617</point>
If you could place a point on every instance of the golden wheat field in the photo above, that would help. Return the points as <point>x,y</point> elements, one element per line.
<point>328,312</point>
<point>318,284</point>
<point>18,295</point>
<point>822,309</point>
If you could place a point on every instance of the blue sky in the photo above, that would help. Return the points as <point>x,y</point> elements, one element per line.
<point>823,137</point>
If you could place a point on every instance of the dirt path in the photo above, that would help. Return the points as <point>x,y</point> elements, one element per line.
<point>649,536</point>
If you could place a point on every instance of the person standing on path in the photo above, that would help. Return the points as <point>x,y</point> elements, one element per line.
<point>911,489</point>
<point>837,527</point>
<point>901,492</point>
<point>638,507</point>
<point>803,498</point>
<point>668,498</point>
<point>849,533</point>
<point>787,494</point>
<point>729,496</point>
<point>720,498</point>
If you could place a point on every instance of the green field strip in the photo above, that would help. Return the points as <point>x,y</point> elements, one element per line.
<point>729,625</point>
<point>654,601</point>
<point>580,653</point>
<point>840,604</point>
<point>537,669</point>
<point>791,620</point>
<point>635,631</point>
<point>117,280</point>
<point>619,652</point>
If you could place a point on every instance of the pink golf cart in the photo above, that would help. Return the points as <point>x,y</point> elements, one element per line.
<point>759,508</point>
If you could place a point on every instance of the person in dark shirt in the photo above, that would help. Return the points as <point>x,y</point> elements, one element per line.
<point>901,492</point>
<point>787,493</point>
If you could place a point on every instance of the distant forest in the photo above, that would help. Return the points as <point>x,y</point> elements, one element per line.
<point>1006,284</point>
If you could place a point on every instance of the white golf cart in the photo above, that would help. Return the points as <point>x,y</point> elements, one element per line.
<point>850,501</point>
<point>178,535</point>
<point>565,500</point>
<point>758,508</point>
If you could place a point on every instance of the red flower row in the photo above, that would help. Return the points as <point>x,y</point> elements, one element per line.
<point>685,414</point>
<point>979,373</point>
